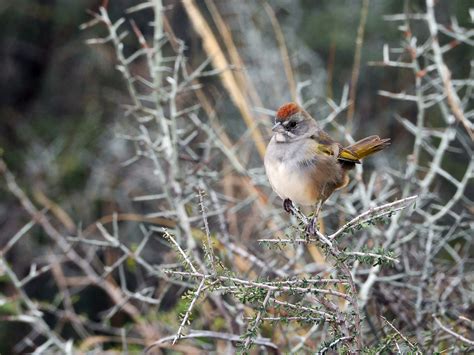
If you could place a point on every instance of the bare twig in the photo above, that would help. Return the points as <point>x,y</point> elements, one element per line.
<point>443,71</point>
<point>453,333</point>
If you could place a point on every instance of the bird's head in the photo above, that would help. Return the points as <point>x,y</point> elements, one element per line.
<point>293,123</point>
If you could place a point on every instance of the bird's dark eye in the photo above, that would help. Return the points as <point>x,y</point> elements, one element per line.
<point>292,124</point>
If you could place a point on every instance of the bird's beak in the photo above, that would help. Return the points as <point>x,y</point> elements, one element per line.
<point>278,127</point>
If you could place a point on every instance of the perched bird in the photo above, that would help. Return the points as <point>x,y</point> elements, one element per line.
<point>304,164</point>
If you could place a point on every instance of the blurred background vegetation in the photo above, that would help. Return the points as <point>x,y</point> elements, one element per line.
<point>60,99</point>
<point>59,96</point>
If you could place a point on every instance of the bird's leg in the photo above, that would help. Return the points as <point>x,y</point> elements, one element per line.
<point>318,209</point>
<point>288,205</point>
<point>312,223</point>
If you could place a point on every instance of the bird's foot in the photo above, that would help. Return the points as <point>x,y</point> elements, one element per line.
<point>288,205</point>
<point>311,227</point>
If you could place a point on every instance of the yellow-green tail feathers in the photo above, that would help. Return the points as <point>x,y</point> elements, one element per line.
<point>368,146</point>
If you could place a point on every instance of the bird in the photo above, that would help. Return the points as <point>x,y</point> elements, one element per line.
<point>304,165</point>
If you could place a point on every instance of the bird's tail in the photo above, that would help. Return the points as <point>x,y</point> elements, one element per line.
<point>368,146</point>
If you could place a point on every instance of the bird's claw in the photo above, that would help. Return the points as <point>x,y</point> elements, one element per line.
<point>311,227</point>
<point>288,205</point>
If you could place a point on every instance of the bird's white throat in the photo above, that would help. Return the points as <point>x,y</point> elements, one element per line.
<point>280,137</point>
<point>284,137</point>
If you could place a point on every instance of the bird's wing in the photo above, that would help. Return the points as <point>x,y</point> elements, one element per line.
<point>327,146</point>
<point>348,155</point>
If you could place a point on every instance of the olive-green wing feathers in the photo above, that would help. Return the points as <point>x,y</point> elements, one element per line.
<point>326,145</point>
<point>348,155</point>
<point>351,154</point>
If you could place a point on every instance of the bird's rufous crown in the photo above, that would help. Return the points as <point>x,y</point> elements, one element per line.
<point>286,111</point>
